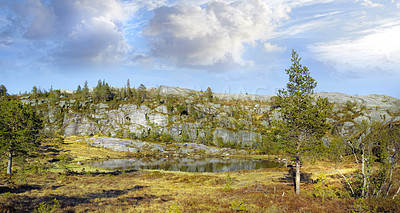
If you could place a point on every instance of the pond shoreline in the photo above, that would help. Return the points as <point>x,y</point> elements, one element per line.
<point>167,150</point>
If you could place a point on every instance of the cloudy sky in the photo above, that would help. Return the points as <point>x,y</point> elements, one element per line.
<point>233,46</point>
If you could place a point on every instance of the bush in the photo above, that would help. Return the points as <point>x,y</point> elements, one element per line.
<point>46,208</point>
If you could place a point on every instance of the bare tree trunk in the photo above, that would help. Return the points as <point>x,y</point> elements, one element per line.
<point>392,162</point>
<point>398,190</point>
<point>297,184</point>
<point>9,167</point>
<point>364,175</point>
<point>390,182</point>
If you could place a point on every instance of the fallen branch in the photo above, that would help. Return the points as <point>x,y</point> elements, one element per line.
<point>348,183</point>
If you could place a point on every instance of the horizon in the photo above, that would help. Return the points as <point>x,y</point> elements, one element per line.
<point>231,46</point>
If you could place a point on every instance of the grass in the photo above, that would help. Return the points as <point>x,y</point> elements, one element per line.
<point>264,190</point>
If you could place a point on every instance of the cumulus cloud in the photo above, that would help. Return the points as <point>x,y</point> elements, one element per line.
<point>71,31</point>
<point>215,33</point>
<point>376,50</point>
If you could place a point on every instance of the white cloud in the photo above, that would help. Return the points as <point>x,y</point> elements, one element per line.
<point>273,47</point>
<point>369,3</point>
<point>72,31</point>
<point>378,50</point>
<point>191,35</point>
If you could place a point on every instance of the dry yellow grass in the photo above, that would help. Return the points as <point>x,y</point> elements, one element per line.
<point>264,190</point>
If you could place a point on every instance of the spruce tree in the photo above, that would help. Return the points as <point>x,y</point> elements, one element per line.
<point>303,117</point>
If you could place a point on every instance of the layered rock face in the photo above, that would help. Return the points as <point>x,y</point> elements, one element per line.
<point>234,120</point>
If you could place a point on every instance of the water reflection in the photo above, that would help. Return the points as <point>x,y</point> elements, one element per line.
<point>187,164</point>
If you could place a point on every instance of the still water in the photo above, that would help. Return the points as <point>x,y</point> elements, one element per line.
<point>187,164</point>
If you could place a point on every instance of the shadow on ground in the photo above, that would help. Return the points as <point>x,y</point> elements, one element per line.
<point>27,204</point>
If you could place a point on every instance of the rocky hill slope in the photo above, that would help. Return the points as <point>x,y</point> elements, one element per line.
<point>183,115</point>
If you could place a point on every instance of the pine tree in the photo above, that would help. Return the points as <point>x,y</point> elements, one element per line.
<point>3,91</point>
<point>142,93</point>
<point>128,89</point>
<point>85,91</point>
<point>209,94</point>
<point>34,92</point>
<point>79,89</point>
<point>303,117</point>
<point>19,129</point>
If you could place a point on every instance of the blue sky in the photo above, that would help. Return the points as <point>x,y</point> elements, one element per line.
<point>233,46</point>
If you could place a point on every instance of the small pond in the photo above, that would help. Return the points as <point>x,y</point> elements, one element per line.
<point>187,164</point>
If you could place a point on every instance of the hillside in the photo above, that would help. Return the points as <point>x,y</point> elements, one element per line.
<point>182,115</point>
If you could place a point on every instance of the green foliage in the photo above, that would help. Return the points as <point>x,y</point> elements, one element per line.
<point>142,94</point>
<point>3,91</point>
<point>361,205</point>
<point>271,144</point>
<point>128,91</point>
<point>102,92</point>
<point>336,150</point>
<point>237,206</point>
<point>34,92</point>
<point>85,91</point>
<point>323,190</point>
<point>47,208</point>
<point>174,209</point>
<point>64,162</point>
<point>303,117</point>
<point>209,95</point>
<point>8,195</point>
<point>221,143</point>
<point>20,128</point>
<point>54,96</point>
<point>375,147</point>
<point>228,183</point>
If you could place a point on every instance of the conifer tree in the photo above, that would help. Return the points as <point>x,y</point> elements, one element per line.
<point>128,89</point>
<point>142,93</point>
<point>303,117</point>
<point>79,89</point>
<point>34,92</point>
<point>85,91</point>
<point>19,129</point>
<point>209,94</point>
<point>3,91</point>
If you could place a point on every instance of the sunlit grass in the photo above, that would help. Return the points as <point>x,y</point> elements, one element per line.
<point>90,189</point>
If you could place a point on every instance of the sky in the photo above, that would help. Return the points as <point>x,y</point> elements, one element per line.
<point>232,46</point>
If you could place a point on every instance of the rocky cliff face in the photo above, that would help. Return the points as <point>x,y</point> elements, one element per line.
<point>230,120</point>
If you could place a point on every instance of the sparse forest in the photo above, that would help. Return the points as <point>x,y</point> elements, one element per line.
<point>343,151</point>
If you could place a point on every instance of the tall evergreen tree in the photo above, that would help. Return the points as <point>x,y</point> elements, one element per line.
<point>3,91</point>
<point>85,91</point>
<point>79,89</point>
<point>209,94</point>
<point>128,89</point>
<point>303,117</point>
<point>34,92</point>
<point>19,129</point>
<point>142,93</point>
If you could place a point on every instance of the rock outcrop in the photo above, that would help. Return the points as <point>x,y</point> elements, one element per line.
<point>231,120</point>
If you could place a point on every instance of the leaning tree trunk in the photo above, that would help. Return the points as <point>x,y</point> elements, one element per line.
<point>9,167</point>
